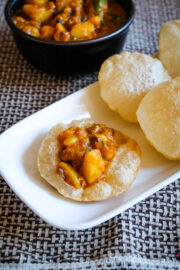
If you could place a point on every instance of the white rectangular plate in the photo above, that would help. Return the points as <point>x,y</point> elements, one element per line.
<point>18,155</point>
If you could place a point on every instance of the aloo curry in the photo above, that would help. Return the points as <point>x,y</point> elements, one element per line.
<point>69,20</point>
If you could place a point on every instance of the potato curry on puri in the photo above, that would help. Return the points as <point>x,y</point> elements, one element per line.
<point>69,20</point>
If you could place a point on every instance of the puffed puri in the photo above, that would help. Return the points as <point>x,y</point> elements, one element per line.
<point>121,171</point>
<point>159,117</point>
<point>169,47</point>
<point>125,78</point>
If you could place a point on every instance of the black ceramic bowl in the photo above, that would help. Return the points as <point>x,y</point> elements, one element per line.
<point>53,56</point>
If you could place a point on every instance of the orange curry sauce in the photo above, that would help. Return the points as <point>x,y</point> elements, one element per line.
<point>69,20</point>
<point>84,154</point>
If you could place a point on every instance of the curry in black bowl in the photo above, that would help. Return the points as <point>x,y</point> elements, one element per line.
<point>69,20</point>
<point>69,35</point>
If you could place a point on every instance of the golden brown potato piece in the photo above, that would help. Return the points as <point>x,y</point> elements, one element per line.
<point>31,30</point>
<point>120,172</point>
<point>39,13</point>
<point>21,22</point>
<point>47,32</point>
<point>159,118</point>
<point>125,78</point>
<point>71,175</point>
<point>83,30</point>
<point>93,165</point>
<point>169,47</point>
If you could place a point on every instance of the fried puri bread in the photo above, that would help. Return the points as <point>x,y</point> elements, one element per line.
<point>169,47</point>
<point>125,78</point>
<point>85,161</point>
<point>159,118</point>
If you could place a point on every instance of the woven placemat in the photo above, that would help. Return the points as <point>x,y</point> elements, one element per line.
<point>143,237</point>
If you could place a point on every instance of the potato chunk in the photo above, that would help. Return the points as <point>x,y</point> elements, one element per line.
<point>93,165</point>
<point>71,175</point>
<point>39,13</point>
<point>83,30</point>
<point>31,30</point>
<point>47,32</point>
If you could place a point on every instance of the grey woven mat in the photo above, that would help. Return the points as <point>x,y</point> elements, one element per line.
<point>143,237</point>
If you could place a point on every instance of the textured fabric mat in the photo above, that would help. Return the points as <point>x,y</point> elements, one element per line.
<point>145,236</point>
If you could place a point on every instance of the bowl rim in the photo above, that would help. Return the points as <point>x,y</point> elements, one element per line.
<point>13,27</point>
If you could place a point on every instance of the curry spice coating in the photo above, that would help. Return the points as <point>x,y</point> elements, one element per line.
<point>69,20</point>
<point>85,161</point>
